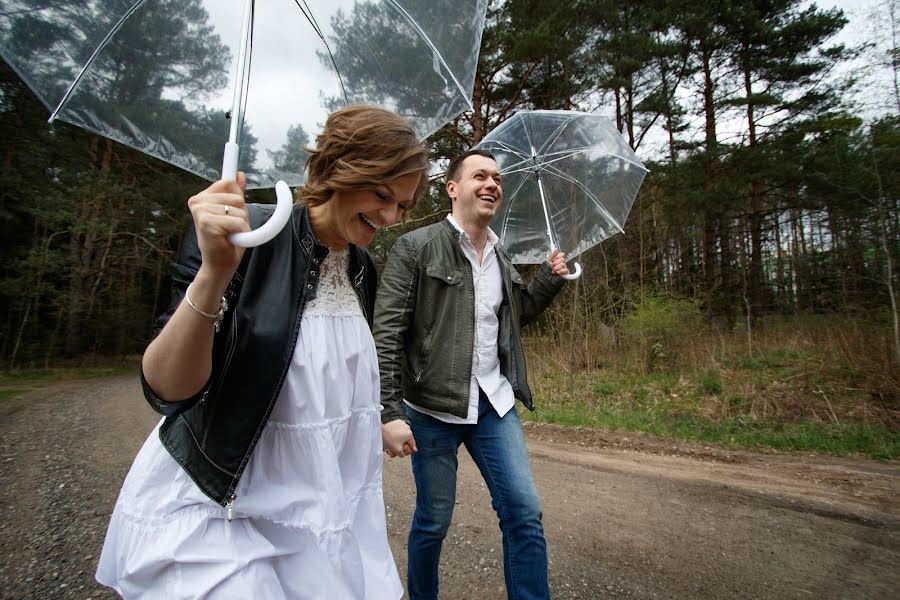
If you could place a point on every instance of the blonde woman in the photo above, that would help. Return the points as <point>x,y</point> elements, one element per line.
<point>263,480</point>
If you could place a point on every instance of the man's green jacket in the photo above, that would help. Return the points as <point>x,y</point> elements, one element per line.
<point>425,322</point>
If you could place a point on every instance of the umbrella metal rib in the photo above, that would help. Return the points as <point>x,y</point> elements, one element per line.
<point>535,167</point>
<point>555,135</point>
<point>589,194</point>
<point>510,204</point>
<point>86,66</point>
<point>511,150</point>
<point>315,25</point>
<point>434,51</point>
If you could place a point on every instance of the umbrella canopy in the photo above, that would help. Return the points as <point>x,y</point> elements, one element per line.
<point>569,180</point>
<point>160,75</point>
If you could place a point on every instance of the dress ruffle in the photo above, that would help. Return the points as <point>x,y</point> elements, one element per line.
<point>308,518</point>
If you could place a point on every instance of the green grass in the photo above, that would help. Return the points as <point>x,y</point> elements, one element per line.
<point>782,400</point>
<point>18,381</point>
<point>7,393</point>
<point>808,436</point>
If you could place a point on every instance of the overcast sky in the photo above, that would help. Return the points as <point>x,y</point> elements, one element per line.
<point>874,93</point>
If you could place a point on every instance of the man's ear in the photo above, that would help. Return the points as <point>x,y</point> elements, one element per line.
<point>451,190</point>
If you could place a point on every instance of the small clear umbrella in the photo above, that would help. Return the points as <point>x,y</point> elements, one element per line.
<point>162,76</point>
<point>569,180</point>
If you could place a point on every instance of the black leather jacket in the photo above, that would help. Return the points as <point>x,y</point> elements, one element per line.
<point>213,433</point>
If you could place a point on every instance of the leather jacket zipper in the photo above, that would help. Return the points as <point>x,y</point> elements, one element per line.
<point>360,295</point>
<point>426,351</point>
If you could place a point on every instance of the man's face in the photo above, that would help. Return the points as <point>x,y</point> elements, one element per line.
<point>475,193</point>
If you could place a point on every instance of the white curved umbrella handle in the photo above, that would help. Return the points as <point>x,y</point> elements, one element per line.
<point>574,275</point>
<point>279,218</point>
<point>273,226</point>
<point>570,276</point>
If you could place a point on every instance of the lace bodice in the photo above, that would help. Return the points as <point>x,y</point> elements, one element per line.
<point>334,295</point>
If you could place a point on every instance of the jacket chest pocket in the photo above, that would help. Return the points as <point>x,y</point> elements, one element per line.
<point>443,295</point>
<point>446,275</point>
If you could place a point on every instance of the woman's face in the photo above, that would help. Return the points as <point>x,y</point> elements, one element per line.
<point>358,214</point>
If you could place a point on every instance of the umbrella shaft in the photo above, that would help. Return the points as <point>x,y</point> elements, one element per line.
<point>232,150</point>
<point>553,245</point>
<point>241,73</point>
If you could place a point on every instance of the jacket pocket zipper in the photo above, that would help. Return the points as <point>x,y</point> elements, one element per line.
<point>426,351</point>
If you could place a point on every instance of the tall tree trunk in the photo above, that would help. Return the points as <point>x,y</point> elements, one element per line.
<point>667,112</point>
<point>617,93</point>
<point>755,292</point>
<point>779,266</point>
<point>15,349</point>
<point>629,114</point>
<point>710,167</point>
<point>82,246</point>
<point>726,280</point>
<point>477,108</point>
<point>803,274</point>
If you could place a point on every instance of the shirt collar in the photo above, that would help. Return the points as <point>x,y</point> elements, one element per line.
<point>491,236</point>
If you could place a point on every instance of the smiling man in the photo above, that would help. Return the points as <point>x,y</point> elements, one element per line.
<point>447,327</point>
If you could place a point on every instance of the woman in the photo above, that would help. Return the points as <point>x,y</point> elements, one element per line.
<point>264,478</point>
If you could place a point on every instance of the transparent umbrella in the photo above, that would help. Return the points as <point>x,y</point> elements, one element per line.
<point>569,180</point>
<point>176,78</point>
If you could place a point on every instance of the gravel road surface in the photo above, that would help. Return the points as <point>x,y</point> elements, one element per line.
<point>626,516</point>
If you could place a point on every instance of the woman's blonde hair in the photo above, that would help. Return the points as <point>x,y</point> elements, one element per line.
<point>359,148</point>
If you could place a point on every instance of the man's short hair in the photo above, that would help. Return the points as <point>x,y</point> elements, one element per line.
<point>455,164</point>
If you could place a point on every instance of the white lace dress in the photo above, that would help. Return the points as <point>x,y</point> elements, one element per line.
<point>308,518</point>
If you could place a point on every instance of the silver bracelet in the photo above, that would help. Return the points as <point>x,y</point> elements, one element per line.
<point>217,317</point>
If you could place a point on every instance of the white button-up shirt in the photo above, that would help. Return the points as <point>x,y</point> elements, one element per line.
<point>488,283</point>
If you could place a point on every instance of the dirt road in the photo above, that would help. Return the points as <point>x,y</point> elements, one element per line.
<point>625,516</point>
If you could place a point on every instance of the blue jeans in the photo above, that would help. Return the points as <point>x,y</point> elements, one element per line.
<point>498,448</point>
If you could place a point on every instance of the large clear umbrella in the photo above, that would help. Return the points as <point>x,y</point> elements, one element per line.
<point>569,180</point>
<point>175,78</point>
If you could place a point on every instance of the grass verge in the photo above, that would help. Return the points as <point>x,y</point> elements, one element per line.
<point>15,382</point>
<point>780,401</point>
<point>840,440</point>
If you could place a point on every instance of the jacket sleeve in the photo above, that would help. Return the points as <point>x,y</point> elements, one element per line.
<point>184,269</point>
<point>538,295</point>
<point>394,307</point>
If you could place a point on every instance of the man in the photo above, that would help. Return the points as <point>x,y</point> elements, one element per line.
<point>447,327</point>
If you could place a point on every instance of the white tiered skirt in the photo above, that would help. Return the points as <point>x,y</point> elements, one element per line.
<point>308,518</point>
